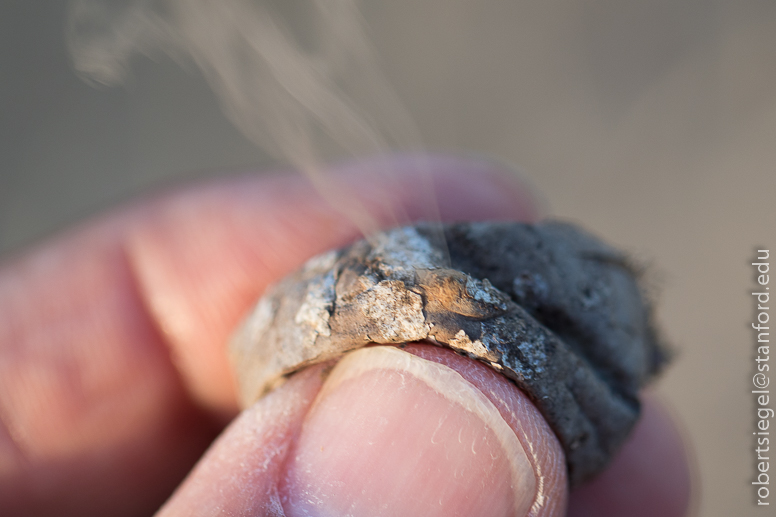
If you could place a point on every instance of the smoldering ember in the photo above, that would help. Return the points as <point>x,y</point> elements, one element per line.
<point>761,379</point>
<point>552,308</point>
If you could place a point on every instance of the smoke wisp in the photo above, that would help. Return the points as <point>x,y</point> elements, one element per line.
<point>303,95</point>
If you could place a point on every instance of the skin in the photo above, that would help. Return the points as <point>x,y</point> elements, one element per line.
<point>114,377</point>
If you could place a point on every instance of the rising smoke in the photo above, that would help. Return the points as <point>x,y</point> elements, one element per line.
<point>296,93</point>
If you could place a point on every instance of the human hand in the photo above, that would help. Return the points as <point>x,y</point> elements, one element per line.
<point>114,379</point>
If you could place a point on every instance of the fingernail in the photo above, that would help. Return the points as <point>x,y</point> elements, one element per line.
<point>392,434</point>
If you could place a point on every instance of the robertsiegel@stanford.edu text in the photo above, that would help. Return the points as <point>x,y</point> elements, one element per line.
<point>761,379</point>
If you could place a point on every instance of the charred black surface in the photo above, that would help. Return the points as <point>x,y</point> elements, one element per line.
<point>547,305</point>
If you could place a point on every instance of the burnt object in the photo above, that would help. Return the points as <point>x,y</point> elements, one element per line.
<point>547,305</point>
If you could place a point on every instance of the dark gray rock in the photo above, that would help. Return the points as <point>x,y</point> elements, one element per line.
<point>547,305</point>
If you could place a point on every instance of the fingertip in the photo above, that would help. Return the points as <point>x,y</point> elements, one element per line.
<point>544,449</point>
<point>422,433</point>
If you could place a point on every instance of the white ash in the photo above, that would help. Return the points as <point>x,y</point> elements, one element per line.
<point>402,251</point>
<point>394,311</point>
<point>317,305</point>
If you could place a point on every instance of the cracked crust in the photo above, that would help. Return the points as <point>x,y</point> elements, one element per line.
<point>550,307</point>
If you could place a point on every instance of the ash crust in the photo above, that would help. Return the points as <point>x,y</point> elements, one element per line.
<point>547,305</point>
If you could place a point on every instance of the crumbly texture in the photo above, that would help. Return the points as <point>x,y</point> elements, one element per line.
<point>547,305</point>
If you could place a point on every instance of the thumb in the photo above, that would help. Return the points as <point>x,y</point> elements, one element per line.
<point>388,432</point>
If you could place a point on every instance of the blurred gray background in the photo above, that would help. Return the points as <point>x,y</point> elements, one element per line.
<point>652,123</point>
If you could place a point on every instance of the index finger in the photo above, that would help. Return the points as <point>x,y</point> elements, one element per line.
<point>200,274</point>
